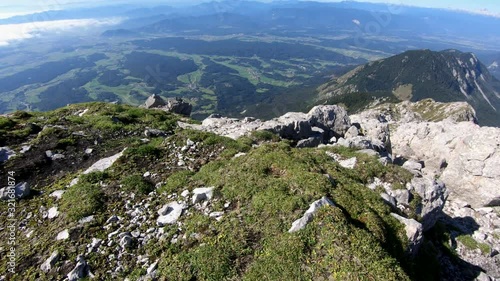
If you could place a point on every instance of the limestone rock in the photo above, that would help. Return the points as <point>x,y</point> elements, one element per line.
<point>170,213</point>
<point>331,118</point>
<point>292,125</point>
<point>464,155</point>
<point>434,194</point>
<point>52,213</point>
<point>201,194</point>
<point>154,101</point>
<point>80,271</point>
<point>63,235</point>
<point>50,262</point>
<point>104,163</point>
<point>309,214</point>
<point>179,106</point>
<point>414,232</point>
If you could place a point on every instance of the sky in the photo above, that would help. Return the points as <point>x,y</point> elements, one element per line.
<point>16,32</point>
<point>26,6</point>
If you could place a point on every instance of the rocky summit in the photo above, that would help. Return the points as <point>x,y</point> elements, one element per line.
<point>103,191</point>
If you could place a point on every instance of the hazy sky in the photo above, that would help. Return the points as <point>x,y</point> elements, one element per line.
<point>17,6</point>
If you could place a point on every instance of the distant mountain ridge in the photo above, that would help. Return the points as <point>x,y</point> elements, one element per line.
<point>446,76</point>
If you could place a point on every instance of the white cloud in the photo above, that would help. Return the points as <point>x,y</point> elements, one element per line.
<point>15,32</point>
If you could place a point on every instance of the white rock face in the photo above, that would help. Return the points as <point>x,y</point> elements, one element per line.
<point>464,155</point>
<point>170,213</point>
<point>309,214</point>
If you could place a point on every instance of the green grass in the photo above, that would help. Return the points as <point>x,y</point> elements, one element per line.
<point>471,243</point>
<point>81,200</point>
<point>176,182</point>
<point>137,184</point>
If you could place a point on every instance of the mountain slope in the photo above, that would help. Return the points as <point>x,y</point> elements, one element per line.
<point>112,221</point>
<point>446,76</point>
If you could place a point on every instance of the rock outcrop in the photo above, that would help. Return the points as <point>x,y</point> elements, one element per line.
<point>177,105</point>
<point>322,123</point>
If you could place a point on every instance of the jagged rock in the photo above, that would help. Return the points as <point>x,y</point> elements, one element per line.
<point>100,166</point>
<point>358,142</point>
<point>50,262</point>
<point>179,106</point>
<point>126,240</point>
<point>375,128</point>
<point>80,271</point>
<point>331,118</point>
<point>152,267</point>
<point>414,232</point>
<point>433,193</point>
<point>154,133</point>
<point>483,277</point>
<point>402,196</point>
<point>96,243</point>
<point>170,213</point>
<point>352,132</point>
<point>86,220</point>
<point>6,153</point>
<point>389,199</point>
<point>201,194</point>
<point>465,156</point>
<point>154,101</point>
<point>19,191</point>
<point>309,214</point>
<point>292,125</point>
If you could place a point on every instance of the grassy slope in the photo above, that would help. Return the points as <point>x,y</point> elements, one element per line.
<point>268,188</point>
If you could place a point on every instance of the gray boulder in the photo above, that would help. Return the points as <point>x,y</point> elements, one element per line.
<point>80,271</point>
<point>170,213</point>
<point>19,191</point>
<point>434,194</point>
<point>414,232</point>
<point>331,118</point>
<point>154,101</point>
<point>292,125</point>
<point>50,262</point>
<point>179,106</point>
